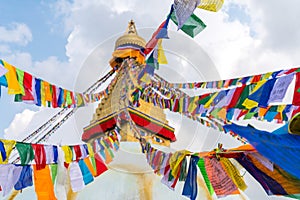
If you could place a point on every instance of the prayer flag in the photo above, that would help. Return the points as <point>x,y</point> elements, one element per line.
<point>86,174</point>
<point>190,185</point>
<point>28,88</point>
<point>161,57</point>
<point>280,87</point>
<point>25,179</point>
<point>211,5</point>
<point>12,80</point>
<point>76,177</point>
<point>192,26</point>
<point>163,32</point>
<point>219,179</point>
<point>26,152</point>
<point>151,44</point>
<point>9,176</point>
<point>43,183</point>
<point>201,165</point>
<point>183,10</point>
<point>296,97</point>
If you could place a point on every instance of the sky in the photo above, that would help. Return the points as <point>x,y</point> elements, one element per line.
<point>59,41</point>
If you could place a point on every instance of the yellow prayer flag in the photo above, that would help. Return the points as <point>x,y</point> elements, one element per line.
<point>43,93</point>
<point>175,161</point>
<point>8,146</point>
<point>181,105</point>
<point>48,95</point>
<point>280,108</point>
<point>258,85</point>
<point>90,149</point>
<point>161,58</point>
<point>233,173</point>
<point>248,103</point>
<point>211,5</point>
<point>208,103</point>
<point>12,81</point>
<point>267,75</point>
<point>68,153</point>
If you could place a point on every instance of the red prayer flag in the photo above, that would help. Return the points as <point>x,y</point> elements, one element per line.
<point>100,166</point>
<point>54,98</point>
<point>236,96</point>
<point>27,83</point>
<point>153,41</point>
<point>39,156</point>
<point>296,98</point>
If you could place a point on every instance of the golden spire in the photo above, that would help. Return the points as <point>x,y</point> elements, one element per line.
<point>130,37</point>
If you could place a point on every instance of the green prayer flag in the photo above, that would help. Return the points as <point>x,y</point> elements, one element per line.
<point>152,61</point>
<point>192,26</point>
<point>20,75</point>
<point>18,98</point>
<point>170,178</point>
<point>53,172</point>
<point>93,163</point>
<point>68,98</point>
<point>26,152</point>
<point>249,115</point>
<point>183,172</point>
<point>201,166</point>
<point>215,112</point>
<point>204,100</point>
<point>243,96</point>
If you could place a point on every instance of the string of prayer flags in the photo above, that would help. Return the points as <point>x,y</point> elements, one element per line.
<point>211,5</point>
<point>220,173</point>
<point>226,83</point>
<point>183,10</point>
<point>192,27</point>
<point>32,90</point>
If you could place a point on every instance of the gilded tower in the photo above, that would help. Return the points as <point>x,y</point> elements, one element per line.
<point>150,120</point>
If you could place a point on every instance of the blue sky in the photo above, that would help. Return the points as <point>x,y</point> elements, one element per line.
<point>49,38</point>
<point>244,38</point>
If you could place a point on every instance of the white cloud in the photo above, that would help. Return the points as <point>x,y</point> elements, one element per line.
<point>18,33</point>
<point>17,128</point>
